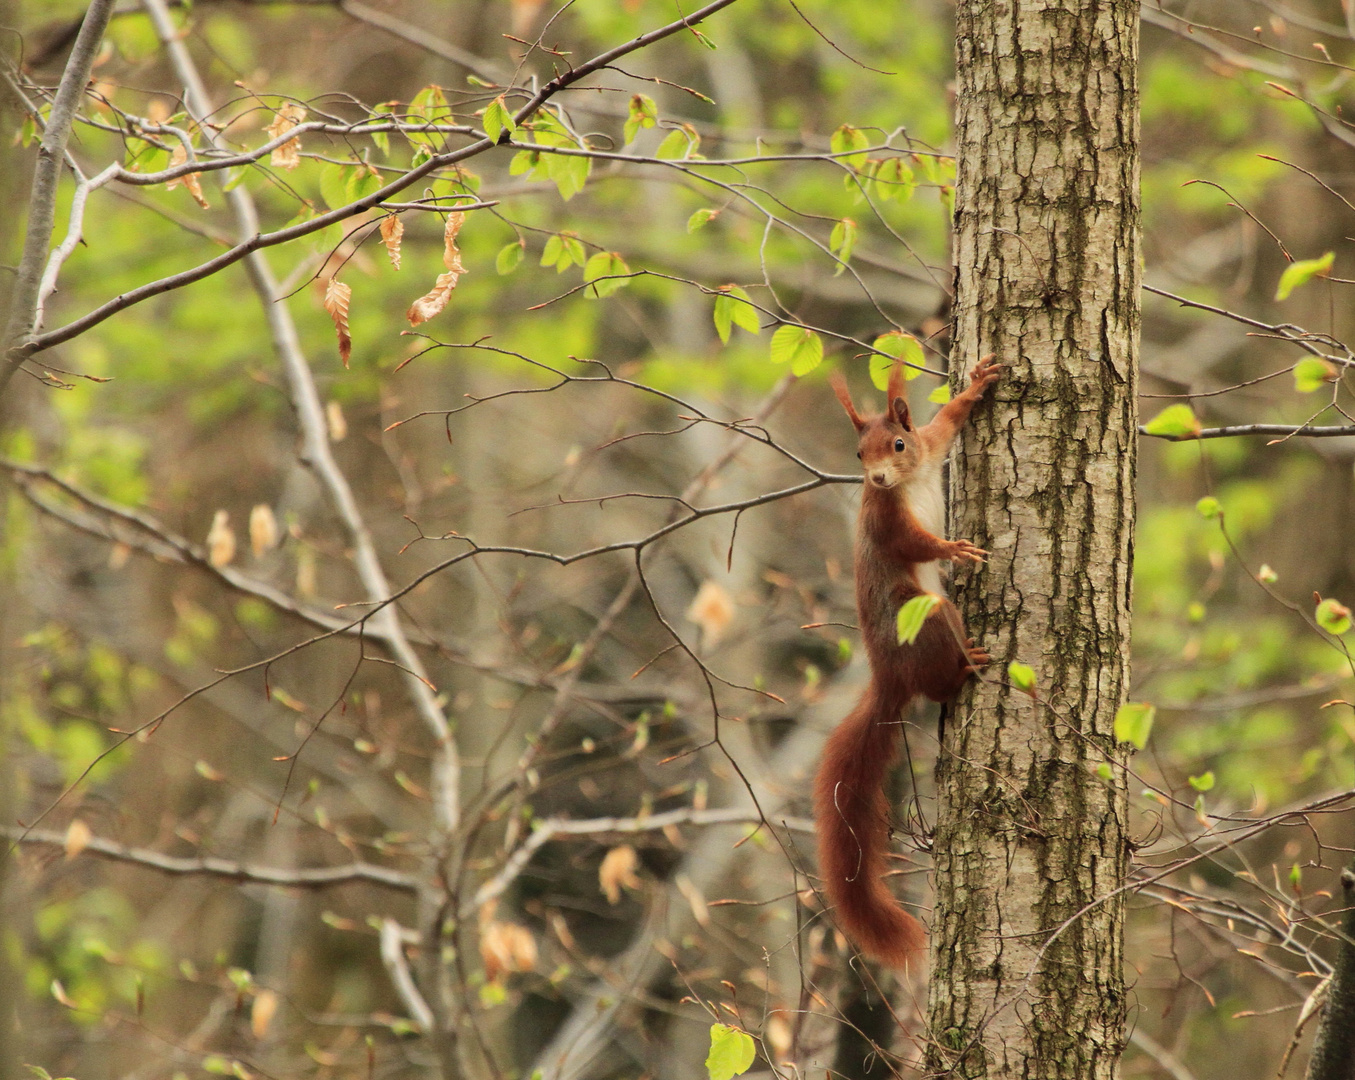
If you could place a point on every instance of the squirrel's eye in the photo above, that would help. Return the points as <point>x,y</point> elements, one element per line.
<point>858,455</point>
<point>898,446</point>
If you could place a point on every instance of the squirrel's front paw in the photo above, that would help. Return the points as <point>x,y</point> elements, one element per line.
<point>964,551</point>
<point>986,372</point>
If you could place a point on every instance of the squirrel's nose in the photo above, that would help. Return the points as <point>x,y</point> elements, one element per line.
<point>878,477</point>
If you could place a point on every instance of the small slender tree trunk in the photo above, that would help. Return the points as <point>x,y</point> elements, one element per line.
<point>1333,1056</point>
<point>1030,843</point>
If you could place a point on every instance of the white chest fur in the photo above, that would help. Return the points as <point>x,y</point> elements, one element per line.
<point>928,503</point>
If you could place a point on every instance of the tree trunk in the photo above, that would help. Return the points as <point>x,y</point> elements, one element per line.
<point>1031,840</point>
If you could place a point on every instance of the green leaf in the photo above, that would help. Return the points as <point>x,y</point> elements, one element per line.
<point>605,265</point>
<point>382,140</point>
<point>498,119</point>
<point>841,241</point>
<point>334,185</point>
<point>896,346</point>
<point>679,144</point>
<point>554,251</point>
<point>699,218</point>
<point>798,346</point>
<point>940,395</point>
<point>1022,677</point>
<point>847,139</point>
<point>1134,722</point>
<point>1104,771</point>
<point>1209,507</point>
<point>361,181</point>
<point>893,179</point>
<point>508,258</point>
<point>643,114</point>
<point>569,172</point>
<point>1333,616</point>
<point>1175,422</point>
<point>1203,782</point>
<point>574,249</point>
<point>524,161</point>
<point>913,614</point>
<point>1295,877</point>
<point>732,1052</point>
<point>734,307</point>
<point>1301,272</point>
<point>1312,374</point>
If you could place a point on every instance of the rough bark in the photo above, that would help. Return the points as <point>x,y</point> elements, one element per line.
<point>1030,842</point>
<point>1333,1056</point>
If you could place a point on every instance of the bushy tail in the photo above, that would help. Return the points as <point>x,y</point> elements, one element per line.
<point>851,813</point>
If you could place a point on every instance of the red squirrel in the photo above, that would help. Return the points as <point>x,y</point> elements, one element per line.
<point>898,553</point>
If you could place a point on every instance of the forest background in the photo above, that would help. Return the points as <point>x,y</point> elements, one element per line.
<point>554,808</point>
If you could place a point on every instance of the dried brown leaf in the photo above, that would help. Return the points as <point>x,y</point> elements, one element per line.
<point>431,303</point>
<point>506,947</point>
<point>78,836</point>
<point>392,229</point>
<point>337,295</point>
<point>220,540</point>
<point>334,420</point>
<point>712,609</point>
<point>288,155</point>
<point>617,870</point>
<point>263,530</point>
<point>192,181</point>
<point>262,1012</point>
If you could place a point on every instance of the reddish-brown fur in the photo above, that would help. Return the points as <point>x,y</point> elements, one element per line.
<point>892,550</point>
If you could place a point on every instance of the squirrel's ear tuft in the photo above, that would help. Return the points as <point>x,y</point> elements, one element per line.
<point>899,409</point>
<point>839,385</point>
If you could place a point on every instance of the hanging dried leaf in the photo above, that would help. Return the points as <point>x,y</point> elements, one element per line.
<point>263,530</point>
<point>334,419</point>
<point>392,229</point>
<point>192,181</point>
<point>697,902</point>
<point>220,540</point>
<point>430,304</point>
<point>288,155</point>
<point>78,836</point>
<point>262,1012</point>
<point>712,609</point>
<point>506,947</point>
<point>618,870</point>
<point>337,295</point>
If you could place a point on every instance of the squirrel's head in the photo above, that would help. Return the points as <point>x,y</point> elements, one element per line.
<point>887,444</point>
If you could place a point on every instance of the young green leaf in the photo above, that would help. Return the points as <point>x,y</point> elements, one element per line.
<point>1312,374</point>
<point>734,307</point>
<point>799,346</point>
<point>1209,507</point>
<point>524,161</point>
<point>334,185</point>
<point>574,249</point>
<point>732,1052</point>
<point>1175,422</point>
<point>1022,677</point>
<point>1296,878</point>
<point>940,395</point>
<point>508,258</point>
<point>1333,616</point>
<point>1134,722</point>
<point>498,119</point>
<point>643,114</point>
<point>607,266</point>
<point>895,346</point>
<point>1203,782</point>
<point>1104,771</point>
<point>699,218</point>
<point>679,144</point>
<point>893,179</point>
<point>913,614</point>
<point>841,241</point>
<point>848,141</point>
<point>1302,272</point>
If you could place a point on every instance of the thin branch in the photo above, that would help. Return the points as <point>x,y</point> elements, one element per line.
<point>1285,431</point>
<point>393,956</point>
<point>46,174</point>
<point>228,869</point>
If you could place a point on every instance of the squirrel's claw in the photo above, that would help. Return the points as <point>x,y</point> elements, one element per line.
<point>964,551</point>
